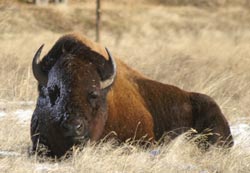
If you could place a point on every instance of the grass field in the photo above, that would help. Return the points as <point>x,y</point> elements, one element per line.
<point>196,46</point>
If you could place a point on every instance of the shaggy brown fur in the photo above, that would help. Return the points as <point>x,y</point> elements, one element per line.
<point>136,106</point>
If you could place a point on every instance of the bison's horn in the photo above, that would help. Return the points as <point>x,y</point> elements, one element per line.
<point>107,82</point>
<point>40,76</point>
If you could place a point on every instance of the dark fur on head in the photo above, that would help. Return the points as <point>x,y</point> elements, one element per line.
<point>72,97</point>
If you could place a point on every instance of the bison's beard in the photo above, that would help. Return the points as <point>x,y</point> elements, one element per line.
<point>47,130</point>
<point>54,144</point>
<point>48,138</point>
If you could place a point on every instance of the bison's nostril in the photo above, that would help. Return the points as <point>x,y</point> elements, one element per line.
<point>73,129</point>
<point>78,126</point>
<point>78,129</point>
<point>66,126</point>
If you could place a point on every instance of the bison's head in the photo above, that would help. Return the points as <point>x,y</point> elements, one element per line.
<point>71,107</point>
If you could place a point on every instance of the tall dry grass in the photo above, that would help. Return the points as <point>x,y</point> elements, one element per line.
<point>177,156</point>
<point>198,49</point>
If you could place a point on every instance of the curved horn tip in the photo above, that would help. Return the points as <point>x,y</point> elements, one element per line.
<point>36,67</point>
<point>111,58</point>
<point>38,53</point>
<point>110,80</point>
<point>41,47</point>
<point>107,50</point>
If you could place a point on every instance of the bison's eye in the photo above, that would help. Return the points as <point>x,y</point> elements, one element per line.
<point>92,98</point>
<point>93,95</point>
<point>54,94</point>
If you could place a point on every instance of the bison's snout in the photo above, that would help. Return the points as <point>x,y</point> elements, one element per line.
<point>73,129</point>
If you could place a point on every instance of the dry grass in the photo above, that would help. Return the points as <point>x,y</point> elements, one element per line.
<point>178,156</point>
<point>198,49</point>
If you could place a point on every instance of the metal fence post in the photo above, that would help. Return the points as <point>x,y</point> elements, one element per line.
<point>98,19</point>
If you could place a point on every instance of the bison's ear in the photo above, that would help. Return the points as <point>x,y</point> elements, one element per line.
<point>107,71</point>
<point>40,76</point>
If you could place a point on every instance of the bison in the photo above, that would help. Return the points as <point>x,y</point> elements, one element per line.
<point>85,94</point>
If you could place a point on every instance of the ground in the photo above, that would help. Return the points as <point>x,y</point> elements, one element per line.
<point>197,47</point>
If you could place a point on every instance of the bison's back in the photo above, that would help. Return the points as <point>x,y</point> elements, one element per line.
<point>169,106</point>
<point>139,106</point>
